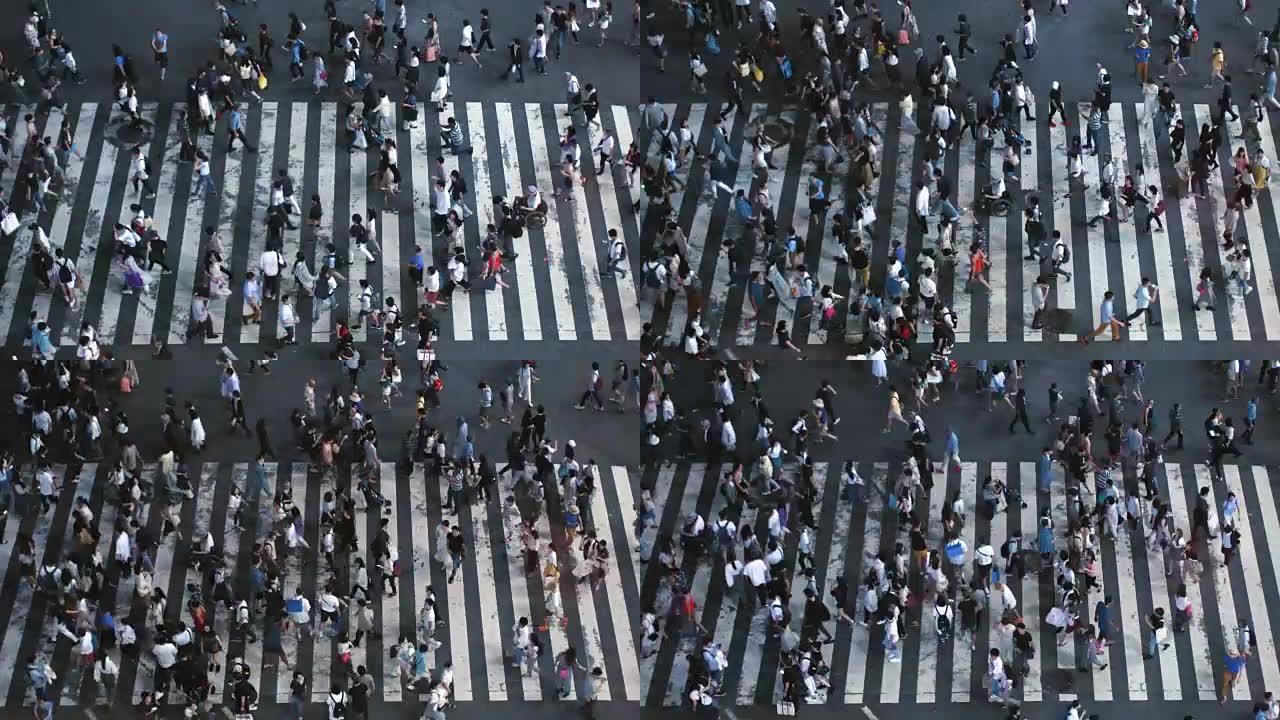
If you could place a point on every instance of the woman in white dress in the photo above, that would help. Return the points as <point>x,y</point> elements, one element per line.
<point>219,281</point>
<point>879,369</point>
<point>319,75</point>
<point>355,126</point>
<point>197,431</point>
<point>440,92</point>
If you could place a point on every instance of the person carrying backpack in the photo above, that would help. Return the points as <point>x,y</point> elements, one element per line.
<point>617,255</point>
<point>338,701</point>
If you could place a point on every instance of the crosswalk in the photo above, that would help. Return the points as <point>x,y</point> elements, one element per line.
<point>559,289</point>
<point>477,612</point>
<point>850,533</point>
<point>1110,256</point>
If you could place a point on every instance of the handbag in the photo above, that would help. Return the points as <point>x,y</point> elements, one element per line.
<point>9,224</point>
<point>433,52</point>
<point>262,81</point>
<point>786,708</point>
<point>758,73</point>
<point>904,37</point>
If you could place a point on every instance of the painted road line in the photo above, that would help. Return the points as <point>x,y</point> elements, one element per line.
<point>144,319</point>
<point>926,669</point>
<point>961,653</point>
<point>20,255</point>
<point>1253,576</point>
<point>1064,289</point>
<point>330,138</point>
<point>266,162</point>
<point>618,611</point>
<point>481,195</point>
<point>961,300</point>
<point>1029,585</point>
<point>98,230</point>
<point>390,627</point>
<point>1170,322</point>
<point>358,266</point>
<point>717,294</point>
<point>998,239</point>
<point>777,180</point>
<point>1201,659</point>
<point>486,588</point>
<point>1265,281</point>
<point>675,694</point>
<point>625,284</point>
<point>526,288</point>
<point>548,176</point>
<point>855,688</point>
<point>189,259</point>
<point>226,207</point>
<point>597,308</point>
<point>699,228</point>
<point>1029,182</point>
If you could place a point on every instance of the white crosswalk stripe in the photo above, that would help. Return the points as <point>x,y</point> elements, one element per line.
<point>557,278</point>
<point>494,587</point>
<point>1110,256</point>
<point>1131,570</point>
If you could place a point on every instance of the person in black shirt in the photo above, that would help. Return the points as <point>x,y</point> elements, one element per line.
<point>1020,411</point>
<point>515,58</point>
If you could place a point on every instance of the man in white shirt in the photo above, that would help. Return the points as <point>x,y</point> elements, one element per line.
<point>521,638</point>
<point>1039,298</point>
<point>922,205</point>
<point>166,654</point>
<point>272,264</point>
<point>439,205</point>
<point>1145,294</point>
<point>757,571</point>
<point>942,115</point>
<point>288,319</point>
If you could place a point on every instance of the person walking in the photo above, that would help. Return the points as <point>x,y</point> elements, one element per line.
<point>1106,320</point>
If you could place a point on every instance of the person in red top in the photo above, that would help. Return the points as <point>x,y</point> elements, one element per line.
<point>977,267</point>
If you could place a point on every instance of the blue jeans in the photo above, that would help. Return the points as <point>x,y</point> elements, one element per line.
<point>204,183</point>
<point>261,473</point>
<point>947,210</point>
<point>328,303</point>
<point>296,705</point>
<point>557,42</point>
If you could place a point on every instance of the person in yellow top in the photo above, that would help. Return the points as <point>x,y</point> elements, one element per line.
<point>895,410</point>
<point>1261,169</point>
<point>551,584</point>
<point>1217,64</point>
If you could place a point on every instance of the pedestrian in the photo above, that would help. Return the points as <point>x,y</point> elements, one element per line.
<point>1106,320</point>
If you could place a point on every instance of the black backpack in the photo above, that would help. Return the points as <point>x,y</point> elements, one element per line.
<point>651,276</point>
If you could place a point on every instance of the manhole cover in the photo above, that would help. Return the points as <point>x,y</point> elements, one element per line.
<point>125,134</point>
<point>775,128</point>
<point>1057,320</point>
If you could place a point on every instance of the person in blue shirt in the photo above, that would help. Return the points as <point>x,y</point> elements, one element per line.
<point>416,266</point>
<point>297,53</point>
<point>1044,470</point>
<point>1102,619</point>
<point>952,456</point>
<point>1234,665</point>
<point>1250,419</point>
<point>235,129</point>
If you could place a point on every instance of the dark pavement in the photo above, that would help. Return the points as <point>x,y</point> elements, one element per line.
<point>788,387</point>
